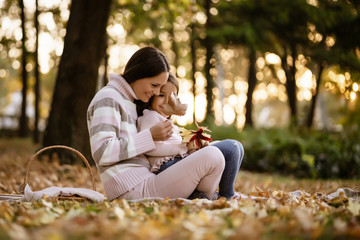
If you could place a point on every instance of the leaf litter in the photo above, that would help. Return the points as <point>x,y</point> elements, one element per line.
<point>286,208</point>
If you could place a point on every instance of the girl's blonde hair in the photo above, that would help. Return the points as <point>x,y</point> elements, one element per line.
<point>174,81</point>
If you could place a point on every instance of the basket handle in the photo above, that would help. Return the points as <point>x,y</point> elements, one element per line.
<point>58,146</point>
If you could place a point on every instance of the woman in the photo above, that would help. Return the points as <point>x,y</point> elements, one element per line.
<point>118,149</point>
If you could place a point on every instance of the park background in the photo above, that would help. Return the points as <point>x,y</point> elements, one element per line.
<point>280,76</point>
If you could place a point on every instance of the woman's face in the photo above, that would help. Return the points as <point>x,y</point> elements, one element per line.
<point>145,88</point>
<point>157,103</point>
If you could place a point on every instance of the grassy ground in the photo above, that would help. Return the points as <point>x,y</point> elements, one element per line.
<point>279,216</point>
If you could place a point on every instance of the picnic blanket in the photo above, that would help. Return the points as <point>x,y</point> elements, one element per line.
<point>30,195</point>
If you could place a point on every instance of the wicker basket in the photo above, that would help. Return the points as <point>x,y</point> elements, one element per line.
<point>17,197</point>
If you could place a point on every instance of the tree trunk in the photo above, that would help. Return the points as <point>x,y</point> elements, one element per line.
<point>104,80</point>
<point>23,123</point>
<point>252,84</point>
<point>209,54</point>
<point>193,63</point>
<point>219,79</point>
<point>290,83</point>
<point>174,46</point>
<point>310,118</point>
<point>36,134</point>
<point>77,75</point>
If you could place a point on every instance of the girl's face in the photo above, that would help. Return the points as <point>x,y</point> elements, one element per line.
<point>157,103</point>
<point>145,88</point>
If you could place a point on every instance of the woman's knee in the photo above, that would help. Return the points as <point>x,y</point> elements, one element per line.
<point>215,156</point>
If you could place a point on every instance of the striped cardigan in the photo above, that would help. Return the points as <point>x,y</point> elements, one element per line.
<point>116,145</point>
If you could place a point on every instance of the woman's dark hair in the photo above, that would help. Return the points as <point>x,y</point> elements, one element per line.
<point>144,63</point>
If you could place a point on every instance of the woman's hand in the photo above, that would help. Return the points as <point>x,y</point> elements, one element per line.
<point>161,131</point>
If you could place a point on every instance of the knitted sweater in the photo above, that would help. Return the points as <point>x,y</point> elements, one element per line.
<point>116,145</point>
<point>165,150</point>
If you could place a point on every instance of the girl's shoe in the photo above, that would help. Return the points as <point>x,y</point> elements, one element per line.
<point>236,196</point>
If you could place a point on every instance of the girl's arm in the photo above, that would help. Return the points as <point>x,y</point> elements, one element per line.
<point>162,148</point>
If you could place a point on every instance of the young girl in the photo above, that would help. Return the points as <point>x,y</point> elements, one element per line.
<point>173,150</point>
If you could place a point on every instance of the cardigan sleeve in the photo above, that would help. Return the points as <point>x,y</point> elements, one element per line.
<point>113,133</point>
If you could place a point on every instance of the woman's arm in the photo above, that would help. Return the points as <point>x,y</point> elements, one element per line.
<point>113,133</point>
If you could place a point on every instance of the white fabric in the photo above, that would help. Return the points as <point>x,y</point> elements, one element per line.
<point>344,192</point>
<point>30,195</point>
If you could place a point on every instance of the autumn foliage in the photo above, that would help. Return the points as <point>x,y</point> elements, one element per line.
<point>279,215</point>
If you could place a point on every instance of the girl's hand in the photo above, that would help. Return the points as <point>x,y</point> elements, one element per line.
<point>204,144</point>
<point>174,106</point>
<point>161,131</point>
<point>191,147</point>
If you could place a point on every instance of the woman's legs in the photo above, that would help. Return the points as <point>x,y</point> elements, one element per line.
<point>233,152</point>
<point>201,170</point>
<point>168,164</point>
